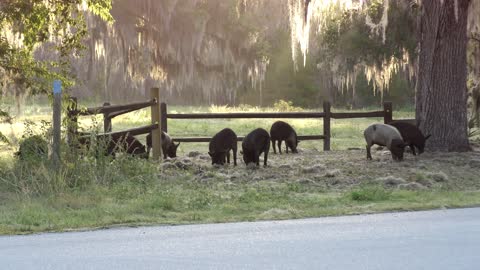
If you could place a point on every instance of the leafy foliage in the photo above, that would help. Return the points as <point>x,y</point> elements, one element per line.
<point>33,148</point>
<point>4,118</point>
<point>348,37</point>
<point>27,24</point>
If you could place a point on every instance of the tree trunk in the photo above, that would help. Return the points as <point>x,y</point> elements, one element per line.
<point>441,98</point>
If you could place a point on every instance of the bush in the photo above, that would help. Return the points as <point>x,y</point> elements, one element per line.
<point>33,148</point>
<point>32,178</point>
<point>285,106</point>
<point>4,118</point>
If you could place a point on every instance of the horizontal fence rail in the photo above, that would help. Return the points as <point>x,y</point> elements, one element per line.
<point>240,138</point>
<point>274,115</point>
<point>357,115</point>
<point>111,109</point>
<point>407,120</point>
<point>132,132</point>
<point>245,115</point>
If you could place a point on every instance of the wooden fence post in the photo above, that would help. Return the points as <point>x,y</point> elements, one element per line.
<point>326,125</point>
<point>57,122</point>
<point>387,110</point>
<point>156,133</point>
<point>163,116</point>
<point>72,121</point>
<point>107,120</point>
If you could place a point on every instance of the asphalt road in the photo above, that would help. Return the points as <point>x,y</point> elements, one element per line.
<point>443,239</point>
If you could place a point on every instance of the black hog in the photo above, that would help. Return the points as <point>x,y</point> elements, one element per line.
<point>281,131</point>
<point>411,135</point>
<point>254,144</point>
<point>169,148</point>
<point>126,143</point>
<point>385,135</point>
<point>220,146</point>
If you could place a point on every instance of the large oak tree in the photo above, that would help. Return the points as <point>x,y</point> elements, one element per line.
<point>441,99</point>
<point>441,91</point>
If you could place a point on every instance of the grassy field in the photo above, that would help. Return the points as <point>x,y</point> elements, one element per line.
<point>92,193</point>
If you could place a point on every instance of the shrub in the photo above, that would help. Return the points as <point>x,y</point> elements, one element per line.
<point>33,148</point>
<point>285,106</point>
<point>32,178</point>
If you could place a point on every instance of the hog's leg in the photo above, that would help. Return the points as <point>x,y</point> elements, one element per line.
<point>234,156</point>
<point>369,155</point>
<point>265,157</point>
<point>273,145</point>
<point>412,147</point>
<point>280,146</point>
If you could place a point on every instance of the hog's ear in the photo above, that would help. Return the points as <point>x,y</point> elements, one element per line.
<point>210,154</point>
<point>176,145</point>
<point>428,136</point>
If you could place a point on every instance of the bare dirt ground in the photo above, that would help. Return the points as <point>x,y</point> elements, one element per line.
<point>340,170</point>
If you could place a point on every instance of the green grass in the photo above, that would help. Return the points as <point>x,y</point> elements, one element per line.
<point>370,194</point>
<point>94,193</point>
<point>187,203</point>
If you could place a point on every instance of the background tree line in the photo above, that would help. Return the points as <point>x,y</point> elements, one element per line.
<point>212,52</point>
<point>216,52</point>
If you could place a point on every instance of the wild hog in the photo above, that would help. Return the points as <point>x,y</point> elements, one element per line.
<point>385,135</point>
<point>169,148</point>
<point>127,143</point>
<point>255,143</point>
<point>220,146</point>
<point>411,135</point>
<point>281,131</point>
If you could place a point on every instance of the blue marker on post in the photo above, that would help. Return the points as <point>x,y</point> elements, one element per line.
<point>57,87</point>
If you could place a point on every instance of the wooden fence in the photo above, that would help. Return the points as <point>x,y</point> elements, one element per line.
<point>111,111</point>
<point>160,118</point>
<point>326,115</point>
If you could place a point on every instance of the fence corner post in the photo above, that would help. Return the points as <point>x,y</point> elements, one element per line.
<point>387,112</point>
<point>326,125</point>
<point>156,120</point>
<point>107,120</point>
<point>163,116</point>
